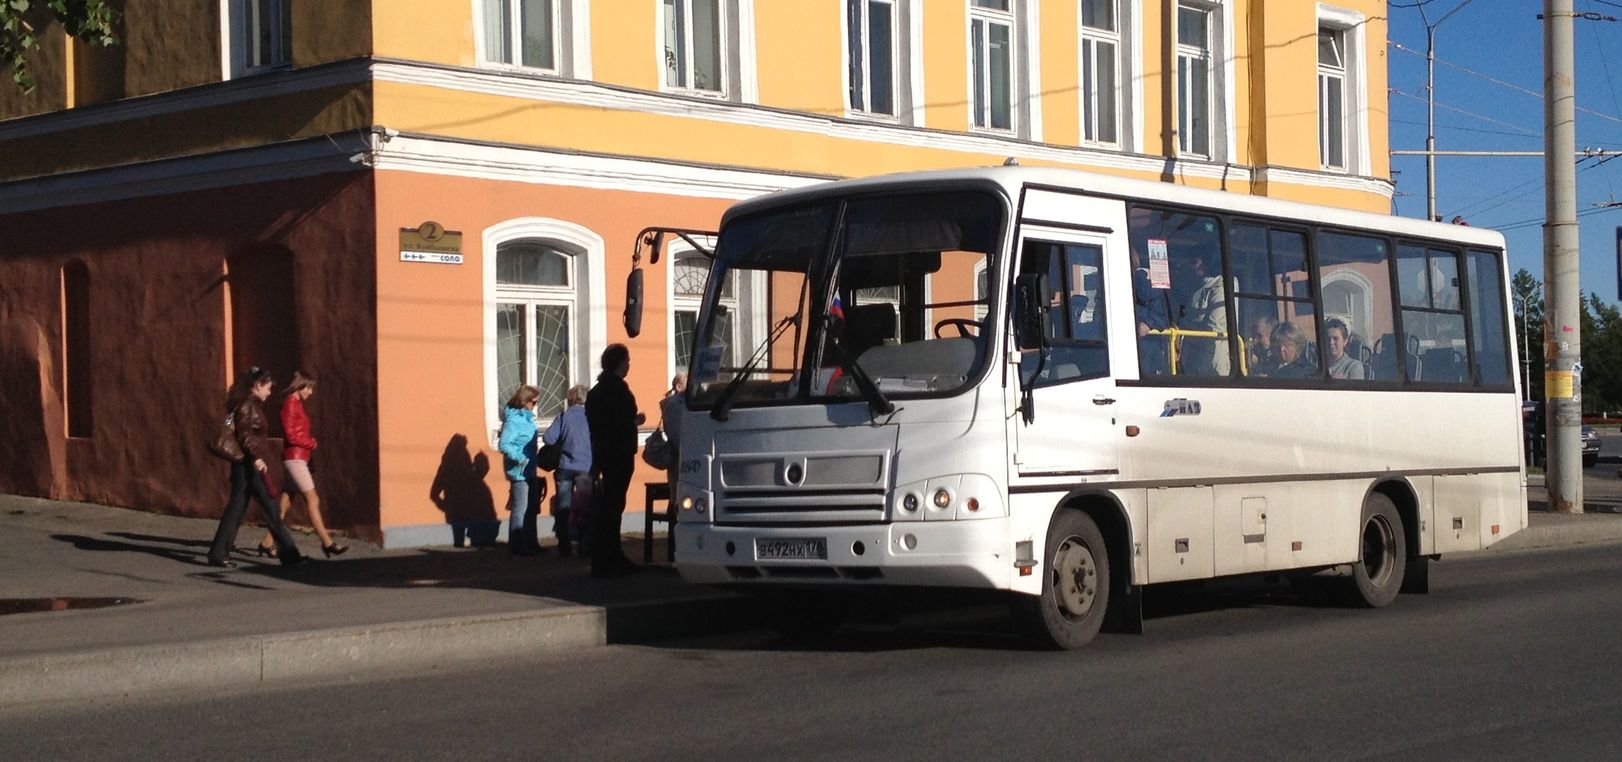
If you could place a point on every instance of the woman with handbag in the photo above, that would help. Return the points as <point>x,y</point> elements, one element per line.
<point>244,406</point>
<point>571,435</point>
<point>296,464</point>
<point>517,445</point>
<point>670,411</point>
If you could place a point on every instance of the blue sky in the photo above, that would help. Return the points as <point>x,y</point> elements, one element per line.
<point>1502,40</point>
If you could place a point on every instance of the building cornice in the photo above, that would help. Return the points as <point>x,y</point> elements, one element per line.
<point>484,160</point>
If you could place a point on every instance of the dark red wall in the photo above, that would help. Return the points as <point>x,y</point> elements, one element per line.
<point>297,261</point>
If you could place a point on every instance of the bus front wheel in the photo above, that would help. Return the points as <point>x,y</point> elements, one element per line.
<point>1382,559</point>
<point>1075,585</point>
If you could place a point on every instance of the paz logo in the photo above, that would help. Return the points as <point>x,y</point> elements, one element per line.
<point>1180,406</point>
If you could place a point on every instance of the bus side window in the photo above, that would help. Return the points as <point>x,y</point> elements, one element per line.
<point>1077,345</point>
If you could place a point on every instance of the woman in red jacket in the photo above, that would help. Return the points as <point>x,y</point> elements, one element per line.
<point>296,463</point>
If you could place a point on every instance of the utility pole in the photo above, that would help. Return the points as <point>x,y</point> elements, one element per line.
<point>1430,106</point>
<point>1562,331</point>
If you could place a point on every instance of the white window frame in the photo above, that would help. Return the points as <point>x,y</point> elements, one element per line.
<point>748,322</point>
<point>1332,73</point>
<point>906,69</point>
<point>1220,89</point>
<point>1128,65</point>
<point>1186,137</point>
<point>737,34</point>
<point>1016,65</point>
<point>239,37</point>
<point>1351,25</point>
<point>571,40</point>
<point>589,298</point>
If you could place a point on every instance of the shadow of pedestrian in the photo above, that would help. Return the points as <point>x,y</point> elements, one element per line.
<point>80,542</point>
<point>460,493</point>
<point>186,541</point>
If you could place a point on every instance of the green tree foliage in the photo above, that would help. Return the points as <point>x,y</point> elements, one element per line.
<point>93,21</point>
<point>1601,325</point>
<point>1528,304</point>
<point>1602,356</point>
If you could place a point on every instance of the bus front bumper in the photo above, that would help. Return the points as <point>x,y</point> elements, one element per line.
<point>972,554</point>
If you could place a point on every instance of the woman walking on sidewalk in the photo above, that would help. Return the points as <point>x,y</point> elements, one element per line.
<point>517,445</point>
<point>296,464</point>
<point>244,403</point>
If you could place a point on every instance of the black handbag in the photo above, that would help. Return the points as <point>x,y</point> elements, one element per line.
<point>224,444</point>
<point>548,457</point>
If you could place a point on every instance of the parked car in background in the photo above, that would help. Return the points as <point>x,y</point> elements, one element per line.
<point>1590,447</point>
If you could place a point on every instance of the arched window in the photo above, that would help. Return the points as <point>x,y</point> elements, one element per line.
<point>545,316</point>
<point>535,317</point>
<point>689,271</point>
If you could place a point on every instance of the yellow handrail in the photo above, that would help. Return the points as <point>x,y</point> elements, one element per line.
<point>1174,334</point>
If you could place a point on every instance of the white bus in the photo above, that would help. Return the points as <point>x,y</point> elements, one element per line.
<point>1070,386</point>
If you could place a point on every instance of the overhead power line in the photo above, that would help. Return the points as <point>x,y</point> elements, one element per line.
<point>1496,81</point>
<point>1471,114</point>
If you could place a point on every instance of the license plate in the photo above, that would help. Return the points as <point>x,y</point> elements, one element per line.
<point>795,548</point>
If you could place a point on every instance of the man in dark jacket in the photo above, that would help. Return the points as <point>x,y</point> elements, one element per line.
<point>612,416</point>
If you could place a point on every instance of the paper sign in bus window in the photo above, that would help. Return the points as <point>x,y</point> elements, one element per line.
<point>1159,267</point>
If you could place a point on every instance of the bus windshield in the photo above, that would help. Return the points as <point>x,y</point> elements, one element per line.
<point>884,295</point>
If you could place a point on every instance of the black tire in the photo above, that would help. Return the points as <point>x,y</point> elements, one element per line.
<point>1075,585</point>
<point>1589,461</point>
<point>1382,554</point>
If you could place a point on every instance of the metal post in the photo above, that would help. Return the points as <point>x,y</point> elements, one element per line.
<point>1430,122</point>
<point>1562,338</point>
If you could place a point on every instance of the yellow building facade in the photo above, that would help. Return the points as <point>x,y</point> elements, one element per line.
<point>265,162</point>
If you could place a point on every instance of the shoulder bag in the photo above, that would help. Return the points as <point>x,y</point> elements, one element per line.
<point>224,444</point>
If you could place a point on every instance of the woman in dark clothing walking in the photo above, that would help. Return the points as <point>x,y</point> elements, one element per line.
<point>612,417</point>
<point>245,405</point>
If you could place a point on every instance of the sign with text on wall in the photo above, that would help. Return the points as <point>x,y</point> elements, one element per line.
<point>430,242</point>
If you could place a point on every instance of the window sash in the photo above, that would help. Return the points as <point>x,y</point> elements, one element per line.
<point>523,33</point>
<point>266,26</point>
<point>1101,94</point>
<point>992,39</point>
<point>535,344</point>
<point>694,45</point>
<point>1331,119</point>
<point>1195,83</point>
<point>872,50</point>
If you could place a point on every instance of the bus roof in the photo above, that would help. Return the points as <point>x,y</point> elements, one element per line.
<point>1013,178</point>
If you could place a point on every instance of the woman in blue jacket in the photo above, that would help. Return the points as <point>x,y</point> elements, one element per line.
<point>517,445</point>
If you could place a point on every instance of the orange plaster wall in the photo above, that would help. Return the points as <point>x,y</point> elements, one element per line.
<point>431,373</point>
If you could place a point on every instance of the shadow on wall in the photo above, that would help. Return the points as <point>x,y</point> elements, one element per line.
<point>460,493</point>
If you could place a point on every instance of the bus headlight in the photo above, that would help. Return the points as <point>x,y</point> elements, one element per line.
<point>943,498</point>
<point>910,502</point>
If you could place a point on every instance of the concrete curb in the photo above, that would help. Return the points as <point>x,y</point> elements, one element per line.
<point>290,656</point>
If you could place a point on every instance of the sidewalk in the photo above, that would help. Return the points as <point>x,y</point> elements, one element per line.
<point>186,625</point>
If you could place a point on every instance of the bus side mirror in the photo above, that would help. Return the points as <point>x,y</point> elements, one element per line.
<point>633,303</point>
<point>1031,311</point>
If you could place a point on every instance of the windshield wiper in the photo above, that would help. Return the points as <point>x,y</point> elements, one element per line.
<point>722,409</point>
<point>876,401</point>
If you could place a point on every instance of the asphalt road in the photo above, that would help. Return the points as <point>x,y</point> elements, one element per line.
<point>1514,655</point>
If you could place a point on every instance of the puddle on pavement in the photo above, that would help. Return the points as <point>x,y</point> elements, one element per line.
<point>33,605</point>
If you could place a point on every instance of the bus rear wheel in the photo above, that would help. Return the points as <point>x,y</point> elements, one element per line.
<point>1075,585</point>
<point>1382,559</point>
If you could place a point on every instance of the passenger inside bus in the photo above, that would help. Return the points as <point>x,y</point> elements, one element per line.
<point>1150,312</point>
<point>1204,309</point>
<point>1294,357</point>
<point>1340,363</point>
<point>1259,344</point>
